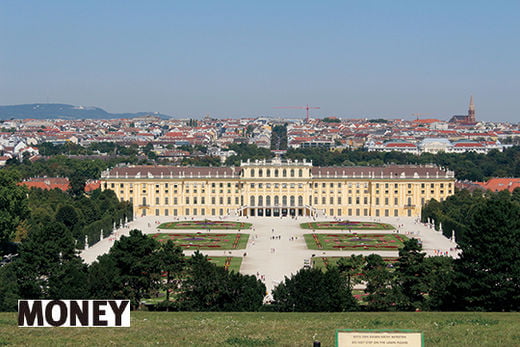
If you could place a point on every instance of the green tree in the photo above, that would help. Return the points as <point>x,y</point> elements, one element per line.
<point>410,276</point>
<point>211,288</point>
<point>43,256</point>
<point>351,268</point>
<point>438,279</point>
<point>69,280</point>
<point>380,293</point>
<point>171,262</point>
<point>13,206</point>
<point>104,279</point>
<point>68,216</point>
<point>311,290</point>
<point>488,272</point>
<point>9,291</point>
<point>134,257</point>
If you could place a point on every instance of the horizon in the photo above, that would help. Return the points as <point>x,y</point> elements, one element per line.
<point>235,59</point>
<point>294,117</point>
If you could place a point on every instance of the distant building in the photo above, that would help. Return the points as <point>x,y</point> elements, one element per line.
<point>393,146</point>
<point>469,118</point>
<point>435,145</point>
<point>62,183</point>
<point>499,184</point>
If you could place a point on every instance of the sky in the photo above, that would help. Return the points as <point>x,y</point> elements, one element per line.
<point>384,58</point>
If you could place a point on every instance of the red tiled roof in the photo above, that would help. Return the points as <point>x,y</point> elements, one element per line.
<point>468,144</point>
<point>93,185</point>
<point>498,184</point>
<point>47,183</point>
<point>400,144</point>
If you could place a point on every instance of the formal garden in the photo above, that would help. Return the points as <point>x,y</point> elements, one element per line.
<point>205,224</point>
<point>354,241</point>
<point>324,262</point>
<point>346,225</point>
<point>200,241</point>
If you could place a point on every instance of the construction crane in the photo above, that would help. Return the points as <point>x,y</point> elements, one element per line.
<point>302,107</point>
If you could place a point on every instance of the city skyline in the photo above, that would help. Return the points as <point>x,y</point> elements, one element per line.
<point>353,60</point>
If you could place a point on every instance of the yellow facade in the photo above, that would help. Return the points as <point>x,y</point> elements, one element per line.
<point>278,188</point>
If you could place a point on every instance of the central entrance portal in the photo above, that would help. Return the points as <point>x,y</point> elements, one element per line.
<point>275,212</point>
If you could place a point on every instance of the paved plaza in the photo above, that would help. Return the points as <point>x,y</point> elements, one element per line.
<point>276,246</point>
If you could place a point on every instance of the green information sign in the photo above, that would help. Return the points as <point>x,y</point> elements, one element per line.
<point>379,337</point>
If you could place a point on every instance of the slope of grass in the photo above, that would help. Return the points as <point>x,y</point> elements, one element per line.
<point>271,329</point>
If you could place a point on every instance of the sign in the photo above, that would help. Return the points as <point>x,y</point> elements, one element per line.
<point>378,337</point>
<point>73,313</point>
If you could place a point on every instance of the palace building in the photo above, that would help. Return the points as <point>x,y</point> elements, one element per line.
<point>279,188</point>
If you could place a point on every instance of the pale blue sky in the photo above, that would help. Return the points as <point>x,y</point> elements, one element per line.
<point>241,58</point>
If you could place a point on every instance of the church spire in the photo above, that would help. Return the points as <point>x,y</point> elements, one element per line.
<point>471,111</point>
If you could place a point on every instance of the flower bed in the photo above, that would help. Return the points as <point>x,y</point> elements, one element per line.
<point>205,241</point>
<point>346,225</point>
<point>355,241</point>
<point>205,224</point>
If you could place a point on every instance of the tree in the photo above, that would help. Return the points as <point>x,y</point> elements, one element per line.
<point>69,280</point>
<point>9,291</point>
<point>351,268</point>
<point>41,256</point>
<point>104,279</point>
<point>134,257</point>
<point>438,278</point>
<point>171,263</point>
<point>311,290</point>
<point>381,296</point>
<point>201,289</point>
<point>410,276</point>
<point>68,216</point>
<point>13,206</point>
<point>487,275</point>
<point>211,288</point>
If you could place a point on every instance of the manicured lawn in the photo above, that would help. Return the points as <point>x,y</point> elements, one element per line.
<point>336,242</point>
<point>321,262</point>
<point>346,225</point>
<point>230,263</point>
<point>205,224</point>
<point>210,241</point>
<point>270,329</point>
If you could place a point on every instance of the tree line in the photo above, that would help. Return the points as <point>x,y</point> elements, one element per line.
<point>135,268</point>
<point>467,166</point>
<point>26,211</point>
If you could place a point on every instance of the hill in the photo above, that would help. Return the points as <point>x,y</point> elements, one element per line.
<point>65,111</point>
<point>272,329</point>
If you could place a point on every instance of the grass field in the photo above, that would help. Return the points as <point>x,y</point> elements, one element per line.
<point>234,262</point>
<point>211,241</point>
<point>205,224</point>
<point>270,329</point>
<point>346,225</point>
<point>319,262</point>
<point>382,242</point>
